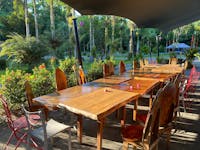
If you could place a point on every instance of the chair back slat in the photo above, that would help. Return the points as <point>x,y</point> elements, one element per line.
<point>106,71</point>
<point>122,67</point>
<point>152,122</point>
<point>61,80</point>
<point>168,102</point>
<point>82,75</point>
<point>141,62</point>
<point>29,93</point>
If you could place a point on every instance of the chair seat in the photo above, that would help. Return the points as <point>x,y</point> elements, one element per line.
<point>132,132</point>
<point>20,123</point>
<point>53,127</point>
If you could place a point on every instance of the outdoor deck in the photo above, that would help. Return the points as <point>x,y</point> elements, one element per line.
<point>186,137</point>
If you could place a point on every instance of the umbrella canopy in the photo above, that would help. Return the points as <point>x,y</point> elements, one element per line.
<point>162,14</point>
<point>178,46</point>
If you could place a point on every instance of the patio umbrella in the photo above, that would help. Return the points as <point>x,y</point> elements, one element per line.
<point>178,46</point>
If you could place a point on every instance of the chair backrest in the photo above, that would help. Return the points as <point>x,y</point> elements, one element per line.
<point>74,67</point>
<point>167,101</point>
<point>82,75</point>
<point>146,62</point>
<point>35,120</point>
<point>141,63</point>
<point>151,127</point>
<point>177,82</point>
<point>111,68</point>
<point>106,71</point>
<point>122,67</point>
<point>61,80</point>
<point>7,112</point>
<point>29,93</point>
<point>173,61</point>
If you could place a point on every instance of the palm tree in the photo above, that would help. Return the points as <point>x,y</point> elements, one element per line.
<point>52,19</point>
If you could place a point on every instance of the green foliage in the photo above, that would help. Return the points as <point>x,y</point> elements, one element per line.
<point>23,50</point>
<point>42,81</point>
<point>172,54</point>
<point>95,71</point>
<point>111,59</point>
<point>190,54</point>
<point>13,86</point>
<point>2,64</point>
<point>66,65</point>
<point>145,49</point>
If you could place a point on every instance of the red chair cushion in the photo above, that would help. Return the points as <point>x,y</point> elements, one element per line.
<point>132,132</point>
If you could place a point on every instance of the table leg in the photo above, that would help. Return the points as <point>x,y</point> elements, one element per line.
<point>79,128</point>
<point>135,109</point>
<point>100,134</point>
<point>123,116</point>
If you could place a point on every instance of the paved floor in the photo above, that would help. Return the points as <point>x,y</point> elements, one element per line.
<point>186,137</point>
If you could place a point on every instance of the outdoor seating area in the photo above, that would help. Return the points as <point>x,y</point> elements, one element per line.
<point>98,101</point>
<point>99,75</point>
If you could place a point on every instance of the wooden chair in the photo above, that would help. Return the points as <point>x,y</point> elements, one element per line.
<point>122,67</point>
<point>144,137</point>
<point>82,78</point>
<point>41,130</point>
<point>16,126</point>
<point>141,63</point>
<point>146,62</point>
<point>111,68</point>
<point>74,67</point>
<point>167,100</point>
<point>61,80</point>
<point>106,71</point>
<point>34,106</point>
<point>173,61</point>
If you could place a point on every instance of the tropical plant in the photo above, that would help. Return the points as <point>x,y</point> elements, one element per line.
<point>13,86</point>
<point>23,50</point>
<point>95,71</point>
<point>190,54</point>
<point>42,81</point>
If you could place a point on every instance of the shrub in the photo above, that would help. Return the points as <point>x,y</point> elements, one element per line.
<point>95,71</point>
<point>42,81</point>
<point>2,64</point>
<point>66,65</point>
<point>13,86</point>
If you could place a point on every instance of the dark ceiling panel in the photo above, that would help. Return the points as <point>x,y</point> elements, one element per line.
<point>162,14</point>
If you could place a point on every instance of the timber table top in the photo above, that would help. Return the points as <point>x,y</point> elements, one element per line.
<point>138,85</point>
<point>99,103</point>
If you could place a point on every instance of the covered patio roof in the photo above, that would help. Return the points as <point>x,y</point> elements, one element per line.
<point>161,14</point>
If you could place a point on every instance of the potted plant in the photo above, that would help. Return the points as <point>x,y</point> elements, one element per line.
<point>190,56</point>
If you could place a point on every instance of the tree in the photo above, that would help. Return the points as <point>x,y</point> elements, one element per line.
<point>26,18</point>
<point>35,20</point>
<point>52,19</point>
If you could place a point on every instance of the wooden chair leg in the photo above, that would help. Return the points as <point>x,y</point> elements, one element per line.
<point>125,145</point>
<point>168,138</point>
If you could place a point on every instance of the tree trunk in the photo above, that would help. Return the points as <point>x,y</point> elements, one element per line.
<point>26,18</point>
<point>52,20</point>
<point>91,38</point>
<point>113,28</point>
<point>35,19</point>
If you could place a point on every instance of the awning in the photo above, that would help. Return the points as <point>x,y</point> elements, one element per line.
<point>162,14</point>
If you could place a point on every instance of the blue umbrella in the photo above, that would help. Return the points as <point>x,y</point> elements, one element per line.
<point>178,46</point>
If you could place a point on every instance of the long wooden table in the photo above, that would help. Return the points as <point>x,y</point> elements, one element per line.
<point>96,100</point>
